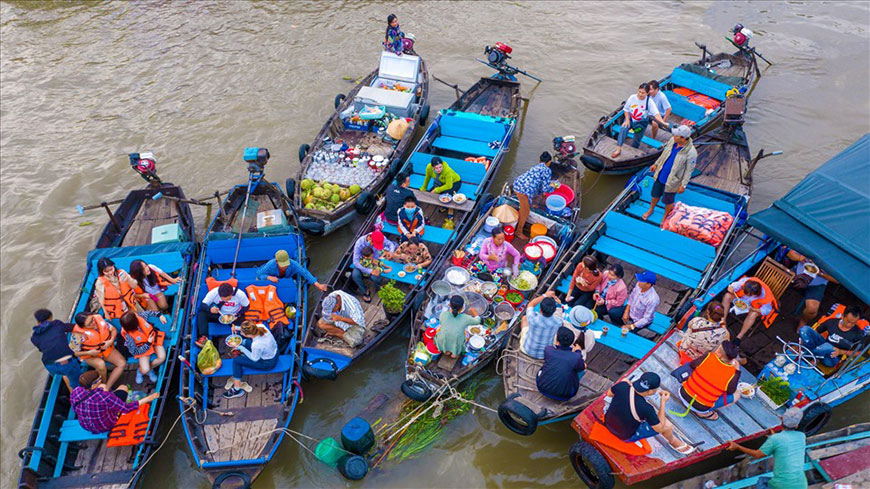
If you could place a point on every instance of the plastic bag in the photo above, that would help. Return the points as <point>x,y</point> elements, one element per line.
<point>354,336</point>
<point>698,223</point>
<point>209,360</point>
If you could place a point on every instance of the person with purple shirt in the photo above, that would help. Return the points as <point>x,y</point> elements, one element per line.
<point>494,252</point>
<point>98,409</point>
<point>639,311</point>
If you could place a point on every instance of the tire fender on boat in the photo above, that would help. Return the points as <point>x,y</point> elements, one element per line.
<point>314,227</point>
<point>591,466</point>
<point>395,166</point>
<point>223,476</point>
<point>290,188</point>
<point>424,114</point>
<point>416,390</point>
<point>303,151</point>
<point>365,203</point>
<point>592,163</point>
<point>313,371</point>
<point>517,417</point>
<point>338,100</point>
<point>815,417</point>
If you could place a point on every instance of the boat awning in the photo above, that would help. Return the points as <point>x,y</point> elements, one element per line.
<point>827,217</point>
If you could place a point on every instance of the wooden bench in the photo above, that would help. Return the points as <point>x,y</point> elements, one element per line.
<point>433,234</point>
<point>464,146</point>
<point>700,84</point>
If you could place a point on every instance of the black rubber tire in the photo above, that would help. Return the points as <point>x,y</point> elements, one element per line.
<point>314,227</point>
<point>592,163</point>
<point>591,466</point>
<point>424,114</point>
<point>338,100</point>
<point>815,417</point>
<point>353,467</point>
<point>416,390</point>
<point>365,203</point>
<point>517,417</point>
<point>303,151</point>
<point>395,166</point>
<point>313,372</point>
<point>290,188</point>
<point>219,480</point>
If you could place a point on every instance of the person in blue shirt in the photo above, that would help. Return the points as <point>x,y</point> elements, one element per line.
<point>535,181</point>
<point>559,377</point>
<point>283,267</point>
<point>672,170</point>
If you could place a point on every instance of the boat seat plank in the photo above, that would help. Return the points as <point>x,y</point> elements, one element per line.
<point>432,234</point>
<point>638,208</point>
<point>660,323</point>
<point>470,190</point>
<point>283,365</point>
<point>630,344</point>
<point>700,84</point>
<point>659,265</point>
<point>473,129</point>
<point>251,249</point>
<point>466,146</point>
<point>693,197</point>
<point>655,143</point>
<point>469,171</point>
<point>72,431</point>
<point>683,108</point>
<point>756,408</point>
<point>690,252</point>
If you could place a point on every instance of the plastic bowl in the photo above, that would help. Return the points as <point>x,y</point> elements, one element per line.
<point>566,192</point>
<point>555,203</point>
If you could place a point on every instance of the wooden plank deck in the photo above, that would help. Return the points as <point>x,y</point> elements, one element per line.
<point>152,213</point>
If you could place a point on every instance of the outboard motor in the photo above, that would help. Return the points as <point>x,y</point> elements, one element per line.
<point>565,151</point>
<point>742,35</point>
<point>498,55</point>
<point>145,164</point>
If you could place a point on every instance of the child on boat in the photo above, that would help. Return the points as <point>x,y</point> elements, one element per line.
<point>142,340</point>
<point>368,260</point>
<point>410,219</point>
<point>394,36</point>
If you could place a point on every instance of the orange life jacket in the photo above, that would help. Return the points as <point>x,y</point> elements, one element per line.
<point>710,380</point>
<point>212,282</point>
<point>265,305</point>
<point>112,298</point>
<point>161,282</point>
<point>93,339</point>
<point>131,428</point>
<point>143,335</point>
<point>762,301</point>
<point>838,314</point>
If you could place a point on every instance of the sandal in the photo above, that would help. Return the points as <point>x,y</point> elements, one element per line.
<point>711,416</point>
<point>367,299</point>
<point>684,449</point>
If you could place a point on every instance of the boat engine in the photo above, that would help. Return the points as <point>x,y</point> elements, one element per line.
<point>256,158</point>
<point>565,151</point>
<point>742,35</point>
<point>145,164</point>
<point>498,55</point>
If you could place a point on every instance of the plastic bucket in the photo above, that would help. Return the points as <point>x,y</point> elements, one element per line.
<point>555,203</point>
<point>537,229</point>
<point>566,192</point>
<point>509,233</point>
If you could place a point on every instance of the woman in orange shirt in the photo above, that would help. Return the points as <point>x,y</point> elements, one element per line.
<point>584,281</point>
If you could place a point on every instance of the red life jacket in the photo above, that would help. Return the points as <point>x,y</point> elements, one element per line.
<point>767,298</point>
<point>93,339</point>
<point>265,305</point>
<point>143,335</point>
<point>130,429</point>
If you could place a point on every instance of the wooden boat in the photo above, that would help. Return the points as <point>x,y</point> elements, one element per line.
<point>840,456</point>
<point>486,113</point>
<point>410,100</point>
<point>427,374</point>
<point>59,452</point>
<point>683,266</point>
<point>770,351</point>
<point>232,440</point>
<point>708,79</point>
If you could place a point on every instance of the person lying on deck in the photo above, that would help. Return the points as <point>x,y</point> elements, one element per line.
<point>394,36</point>
<point>114,290</point>
<point>813,287</point>
<point>283,267</point>
<point>638,112</point>
<point>261,355</point>
<point>141,340</point>
<point>611,291</point>
<point>672,170</point>
<point>340,312</point>
<point>98,346</point>
<point>535,181</point>
<point>703,333</point>
<point>382,247</point>
<point>450,339</point>
<point>223,300</point>
<point>395,196</point>
<point>584,282</point>
<point>151,283</point>
<point>630,417</point>
<point>50,338</point>
<point>495,249</point>
<point>447,181</point>
<point>413,252</point>
<point>662,104</point>
<point>98,409</point>
<point>712,383</point>
<point>844,334</point>
<point>559,377</point>
<point>788,449</point>
<point>757,296</point>
<point>639,311</point>
<point>539,325</point>
<point>410,218</point>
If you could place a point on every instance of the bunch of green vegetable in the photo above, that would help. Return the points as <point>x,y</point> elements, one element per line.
<point>392,297</point>
<point>776,389</point>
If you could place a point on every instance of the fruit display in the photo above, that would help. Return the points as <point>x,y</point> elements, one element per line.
<point>325,196</point>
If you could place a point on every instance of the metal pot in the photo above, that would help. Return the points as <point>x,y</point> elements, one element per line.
<point>442,290</point>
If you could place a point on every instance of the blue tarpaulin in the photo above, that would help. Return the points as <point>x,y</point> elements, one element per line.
<point>827,217</point>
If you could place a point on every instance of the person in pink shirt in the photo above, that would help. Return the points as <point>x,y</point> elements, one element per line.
<point>611,292</point>
<point>495,250</point>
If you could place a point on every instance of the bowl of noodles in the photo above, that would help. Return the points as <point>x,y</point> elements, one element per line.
<point>233,341</point>
<point>226,318</point>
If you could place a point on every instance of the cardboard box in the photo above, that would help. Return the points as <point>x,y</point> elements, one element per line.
<point>270,219</point>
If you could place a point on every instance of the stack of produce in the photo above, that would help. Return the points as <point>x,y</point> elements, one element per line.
<point>325,196</point>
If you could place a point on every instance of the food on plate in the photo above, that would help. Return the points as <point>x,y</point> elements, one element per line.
<point>410,268</point>
<point>459,198</point>
<point>741,304</point>
<point>524,281</point>
<point>233,340</point>
<point>746,389</point>
<point>811,268</point>
<point>419,276</point>
<point>401,273</point>
<point>456,275</point>
<point>513,297</point>
<point>227,319</point>
<point>497,299</point>
<point>444,199</point>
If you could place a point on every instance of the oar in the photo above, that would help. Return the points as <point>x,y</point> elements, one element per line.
<point>453,86</point>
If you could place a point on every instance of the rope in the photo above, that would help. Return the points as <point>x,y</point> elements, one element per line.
<point>288,432</point>
<point>159,447</point>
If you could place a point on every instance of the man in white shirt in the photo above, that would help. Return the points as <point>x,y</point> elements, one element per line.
<point>224,299</point>
<point>662,104</point>
<point>639,110</point>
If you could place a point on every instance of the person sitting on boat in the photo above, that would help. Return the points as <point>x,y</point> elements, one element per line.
<point>662,104</point>
<point>141,340</point>
<point>579,319</point>
<point>411,222</point>
<point>813,286</point>
<point>115,290</point>
<point>282,266</point>
<point>638,112</point>
<point>844,334</point>
<point>223,300</point>
<point>703,333</point>
<point>629,416</point>
<point>413,252</point>
<point>261,355</point>
<point>495,250</point>
<point>535,181</point>
<point>611,291</point>
<point>712,383</point>
<point>788,449</point>
<point>368,260</point>
<point>152,282</point>
<point>394,36</point>
<point>98,346</point>
<point>382,248</point>
<point>447,181</point>
<point>639,311</point>
<point>50,338</point>
<point>450,339</point>
<point>559,377</point>
<point>339,312</point>
<point>584,282</point>
<point>97,408</point>
<point>672,170</point>
<point>539,325</point>
<point>395,196</point>
<point>757,296</point>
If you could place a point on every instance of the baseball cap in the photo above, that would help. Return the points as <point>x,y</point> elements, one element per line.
<point>648,381</point>
<point>792,417</point>
<point>646,276</point>
<point>282,258</point>
<point>682,131</point>
<point>377,240</point>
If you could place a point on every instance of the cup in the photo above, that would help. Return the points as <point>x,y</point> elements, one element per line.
<point>604,330</point>
<point>624,331</point>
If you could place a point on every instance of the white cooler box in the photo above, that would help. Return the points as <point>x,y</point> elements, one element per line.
<point>392,69</point>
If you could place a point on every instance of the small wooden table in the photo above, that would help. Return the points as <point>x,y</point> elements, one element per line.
<point>431,198</point>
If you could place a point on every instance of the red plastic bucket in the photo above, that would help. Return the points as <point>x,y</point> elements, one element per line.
<point>509,233</point>
<point>565,191</point>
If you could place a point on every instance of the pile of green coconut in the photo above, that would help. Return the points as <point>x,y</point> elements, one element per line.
<point>325,196</point>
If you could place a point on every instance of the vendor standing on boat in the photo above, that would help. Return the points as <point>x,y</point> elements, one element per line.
<point>639,110</point>
<point>382,249</point>
<point>672,170</point>
<point>282,266</point>
<point>394,36</point>
<point>495,250</point>
<point>152,283</point>
<point>50,338</point>
<point>115,290</point>
<point>535,181</point>
<point>395,196</point>
<point>447,181</point>
<point>662,103</point>
<point>788,449</point>
<point>450,339</point>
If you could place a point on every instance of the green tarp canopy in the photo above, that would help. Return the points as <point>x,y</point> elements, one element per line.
<point>827,217</point>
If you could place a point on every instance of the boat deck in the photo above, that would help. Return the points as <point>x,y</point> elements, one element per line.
<point>151,214</point>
